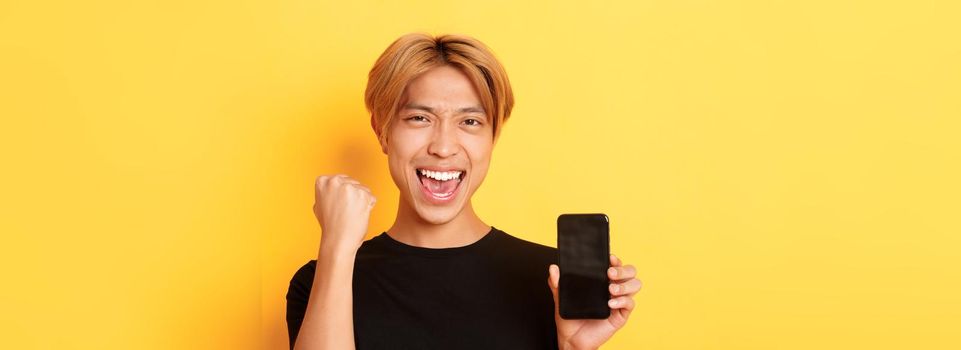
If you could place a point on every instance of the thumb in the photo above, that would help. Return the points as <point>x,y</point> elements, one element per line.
<point>553,281</point>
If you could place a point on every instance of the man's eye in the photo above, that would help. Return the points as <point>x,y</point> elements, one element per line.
<point>472,122</point>
<point>418,118</point>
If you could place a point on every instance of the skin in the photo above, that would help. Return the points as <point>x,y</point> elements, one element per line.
<point>441,124</point>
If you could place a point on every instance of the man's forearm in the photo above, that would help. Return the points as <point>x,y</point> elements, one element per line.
<point>329,318</point>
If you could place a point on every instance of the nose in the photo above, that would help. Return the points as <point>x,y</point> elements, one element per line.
<point>444,142</point>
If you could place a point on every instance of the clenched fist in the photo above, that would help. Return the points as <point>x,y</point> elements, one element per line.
<point>342,207</point>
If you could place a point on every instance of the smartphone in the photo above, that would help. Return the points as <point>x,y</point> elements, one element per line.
<point>583,249</point>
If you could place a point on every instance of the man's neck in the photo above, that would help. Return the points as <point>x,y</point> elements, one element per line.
<point>410,229</point>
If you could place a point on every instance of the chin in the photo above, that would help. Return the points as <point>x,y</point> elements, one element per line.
<point>436,217</point>
<point>434,214</point>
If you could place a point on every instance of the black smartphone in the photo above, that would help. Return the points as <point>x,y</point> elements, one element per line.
<point>583,248</point>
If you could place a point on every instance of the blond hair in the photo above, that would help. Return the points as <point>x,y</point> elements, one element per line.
<point>415,53</point>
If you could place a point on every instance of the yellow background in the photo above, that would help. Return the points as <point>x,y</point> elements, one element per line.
<point>783,174</point>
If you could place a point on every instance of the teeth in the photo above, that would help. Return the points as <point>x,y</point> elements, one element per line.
<point>440,175</point>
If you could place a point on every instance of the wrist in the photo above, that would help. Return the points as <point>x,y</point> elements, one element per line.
<point>336,251</point>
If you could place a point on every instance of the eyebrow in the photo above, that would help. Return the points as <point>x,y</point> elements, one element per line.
<point>472,109</point>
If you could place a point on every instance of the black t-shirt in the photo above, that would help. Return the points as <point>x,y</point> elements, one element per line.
<point>490,294</point>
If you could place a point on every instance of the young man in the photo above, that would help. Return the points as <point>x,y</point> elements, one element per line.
<point>439,277</point>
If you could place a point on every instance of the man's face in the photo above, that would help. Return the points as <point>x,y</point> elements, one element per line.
<point>439,145</point>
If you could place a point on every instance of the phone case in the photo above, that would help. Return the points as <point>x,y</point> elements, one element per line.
<point>583,249</point>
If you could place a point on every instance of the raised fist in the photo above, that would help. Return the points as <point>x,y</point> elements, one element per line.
<point>342,207</point>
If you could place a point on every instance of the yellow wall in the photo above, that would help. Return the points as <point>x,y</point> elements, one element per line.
<point>783,174</point>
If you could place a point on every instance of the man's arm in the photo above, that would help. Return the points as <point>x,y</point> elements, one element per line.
<point>342,207</point>
<point>329,319</point>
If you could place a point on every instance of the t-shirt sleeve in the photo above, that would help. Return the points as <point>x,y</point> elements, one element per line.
<point>297,295</point>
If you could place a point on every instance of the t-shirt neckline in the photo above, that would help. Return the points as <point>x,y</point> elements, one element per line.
<point>406,248</point>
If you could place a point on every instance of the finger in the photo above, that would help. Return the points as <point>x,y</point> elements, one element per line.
<point>320,182</point>
<point>621,273</point>
<point>325,180</point>
<point>553,280</point>
<point>342,178</point>
<point>627,288</point>
<point>615,261</point>
<point>346,179</point>
<point>361,187</point>
<point>320,187</point>
<point>371,199</point>
<point>554,275</point>
<point>619,317</point>
<point>623,302</point>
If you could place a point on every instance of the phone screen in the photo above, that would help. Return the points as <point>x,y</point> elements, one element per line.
<point>583,257</point>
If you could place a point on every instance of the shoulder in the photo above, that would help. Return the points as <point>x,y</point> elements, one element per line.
<point>306,270</point>
<point>525,248</point>
<point>302,280</point>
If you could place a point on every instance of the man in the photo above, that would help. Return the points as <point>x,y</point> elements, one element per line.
<point>439,277</point>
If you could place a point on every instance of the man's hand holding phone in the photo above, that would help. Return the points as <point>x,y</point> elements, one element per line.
<point>598,295</point>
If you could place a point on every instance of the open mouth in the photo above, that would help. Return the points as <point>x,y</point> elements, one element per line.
<point>440,186</point>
